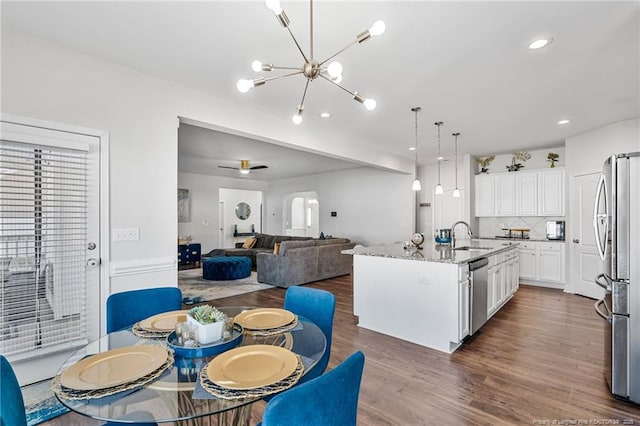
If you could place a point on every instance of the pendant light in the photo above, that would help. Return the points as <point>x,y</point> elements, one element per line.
<point>439,190</point>
<point>416,186</point>
<point>456,192</point>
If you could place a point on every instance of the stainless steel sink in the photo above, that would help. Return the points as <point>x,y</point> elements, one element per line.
<point>467,248</point>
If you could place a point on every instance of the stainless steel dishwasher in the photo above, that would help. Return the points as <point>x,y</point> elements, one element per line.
<point>478,270</point>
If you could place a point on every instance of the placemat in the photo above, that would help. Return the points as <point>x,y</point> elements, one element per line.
<point>273,331</point>
<point>142,332</point>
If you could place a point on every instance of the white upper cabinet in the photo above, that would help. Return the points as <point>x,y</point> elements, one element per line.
<point>527,193</point>
<point>551,184</point>
<point>485,195</point>
<point>505,195</point>
<point>536,193</point>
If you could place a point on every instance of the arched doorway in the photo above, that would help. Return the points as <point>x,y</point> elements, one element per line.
<point>301,214</point>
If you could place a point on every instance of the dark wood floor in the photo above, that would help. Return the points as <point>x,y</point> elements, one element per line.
<point>538,360</point>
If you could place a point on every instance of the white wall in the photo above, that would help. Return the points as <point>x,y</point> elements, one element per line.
<point>49,82</point>
<point>231,198</point>
<point>204,205</point>
<point>587,152</point>
<point>373,206</point>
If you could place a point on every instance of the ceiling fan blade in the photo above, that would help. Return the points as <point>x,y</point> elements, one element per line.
<point>227,167</point>
<point>259,167</point>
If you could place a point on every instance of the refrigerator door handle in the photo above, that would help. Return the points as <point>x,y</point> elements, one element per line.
<point>605,285</point>
<point>604,316</point>
<point>603,217</point>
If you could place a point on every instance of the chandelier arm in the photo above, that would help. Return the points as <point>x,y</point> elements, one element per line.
<point>297,45</point>
<point>285,68</point>
<point>339,85</point>
<point>339,52</point>
<point>304,94</point>
<point>282,76</point>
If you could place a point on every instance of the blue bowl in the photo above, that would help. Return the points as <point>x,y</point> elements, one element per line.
<point>443,240</point>
<point>209,350</point>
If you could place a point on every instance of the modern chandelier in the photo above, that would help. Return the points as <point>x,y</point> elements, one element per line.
<point>311,68</point>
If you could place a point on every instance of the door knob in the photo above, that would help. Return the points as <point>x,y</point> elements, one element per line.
<point>575,240</point>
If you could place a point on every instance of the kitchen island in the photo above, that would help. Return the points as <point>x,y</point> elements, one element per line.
<point>424,295</point>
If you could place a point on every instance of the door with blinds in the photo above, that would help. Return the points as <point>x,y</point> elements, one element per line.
<point>49,246</point>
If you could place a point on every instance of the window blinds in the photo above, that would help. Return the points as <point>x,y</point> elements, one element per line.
<point>43,228</point>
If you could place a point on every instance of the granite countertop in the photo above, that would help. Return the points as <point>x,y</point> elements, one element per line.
<point>435,253</point>
<point>520,239</point>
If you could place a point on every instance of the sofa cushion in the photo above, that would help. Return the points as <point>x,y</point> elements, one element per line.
<point>288,245</point>
<point>249,243</point>
<point>331,241</point>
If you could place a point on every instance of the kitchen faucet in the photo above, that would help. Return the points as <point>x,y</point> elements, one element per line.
<point>453,232</point>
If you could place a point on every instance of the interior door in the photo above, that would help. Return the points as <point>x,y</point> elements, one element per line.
<point>49,246</point>
<point>585,260</point>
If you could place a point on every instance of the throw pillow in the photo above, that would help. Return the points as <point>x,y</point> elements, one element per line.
<point>249,243</point>
<point>276,248</point>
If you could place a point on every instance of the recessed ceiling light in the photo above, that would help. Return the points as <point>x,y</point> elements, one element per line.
<point>412,148</point>
<point>540,43</point>
<point>325,115</point>
<point>563,121</point>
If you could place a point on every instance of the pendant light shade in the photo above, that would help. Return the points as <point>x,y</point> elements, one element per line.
<point>456,192</point>
<point>416,186</point>
<point>439,190</point>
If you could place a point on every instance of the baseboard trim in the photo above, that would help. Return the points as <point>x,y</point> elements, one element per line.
<point>141,266</point>
<point>543,284</point>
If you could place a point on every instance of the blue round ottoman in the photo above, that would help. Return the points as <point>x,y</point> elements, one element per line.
<point>226,267</point>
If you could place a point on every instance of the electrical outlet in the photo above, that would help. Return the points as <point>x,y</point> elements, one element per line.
<point>125,234</point>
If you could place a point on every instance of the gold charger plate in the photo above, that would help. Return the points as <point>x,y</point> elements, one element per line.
<point>114,367</point>
<point>253,366</point>
<point>165,321</point>
<point>264,318</point>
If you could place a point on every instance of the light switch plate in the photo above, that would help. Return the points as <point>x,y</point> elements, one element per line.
<point>125,234</point>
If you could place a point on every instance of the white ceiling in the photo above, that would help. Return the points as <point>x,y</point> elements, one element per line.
<point>465,63</point>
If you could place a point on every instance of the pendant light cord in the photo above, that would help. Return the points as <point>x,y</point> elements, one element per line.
<point>438,123</point>
<point>455,135</point>
<point>416,110</point>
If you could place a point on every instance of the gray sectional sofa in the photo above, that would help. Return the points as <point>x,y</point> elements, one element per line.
<point>300,262</point>
<point>264,244</point>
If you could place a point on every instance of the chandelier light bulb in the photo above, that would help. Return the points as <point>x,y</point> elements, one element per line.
<point>335,69</point>
<point>439,189</point>
<point>337,79</point>
<point>370,104</point>
<point>297,119</point>
<point>274,6</point>
<point>416,186</point>
<point>256,66</point>
<point>244,86</point>
<point>456,193</point>
<point>245,171</point>
<point>377,28</point>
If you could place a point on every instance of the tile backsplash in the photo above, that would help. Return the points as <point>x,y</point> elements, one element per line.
<point>492,226</point>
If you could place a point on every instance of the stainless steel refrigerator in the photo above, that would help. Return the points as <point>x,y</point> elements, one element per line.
<point>616,221</point>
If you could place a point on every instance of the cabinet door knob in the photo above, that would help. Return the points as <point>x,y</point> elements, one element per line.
<point>575,240</point>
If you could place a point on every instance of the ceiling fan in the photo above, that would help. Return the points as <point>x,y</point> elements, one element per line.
<point>244,167</point>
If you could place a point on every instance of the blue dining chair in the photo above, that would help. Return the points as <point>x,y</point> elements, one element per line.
<point>319,307</point>
<point>127,308</point>
<point>12,411</point>
<point>331,399</point>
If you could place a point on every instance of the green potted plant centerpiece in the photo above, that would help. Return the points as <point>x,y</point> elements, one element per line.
<point>208,322</point>
<point>552,158</point>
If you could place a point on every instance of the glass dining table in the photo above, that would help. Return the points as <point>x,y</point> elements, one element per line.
<point>177,396</point>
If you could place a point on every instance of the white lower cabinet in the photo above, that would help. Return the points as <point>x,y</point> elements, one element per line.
<point>542,262</point>
<point>502,280</point>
